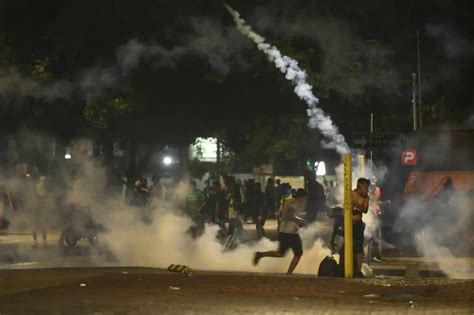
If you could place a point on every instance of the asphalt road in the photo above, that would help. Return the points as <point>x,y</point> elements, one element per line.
<point>153,291</point>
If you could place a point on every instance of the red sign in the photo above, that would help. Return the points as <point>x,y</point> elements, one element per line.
<point>409,157</point>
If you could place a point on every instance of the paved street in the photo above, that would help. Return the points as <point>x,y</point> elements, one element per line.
<point>17,251</point>
<point>152,291</point>
<point>87,280</point>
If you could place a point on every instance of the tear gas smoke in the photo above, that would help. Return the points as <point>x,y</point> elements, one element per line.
<point>167,241</point>
<point>441,230</point>
<point>441,221</point>
<point>339,46</point>
<point>453,43</point>
<point>317,118</point>
<point>163,240</point>
<point>208,39</point>
<point>453,50</point>
<point>366,171</point>
<point>15,85</point>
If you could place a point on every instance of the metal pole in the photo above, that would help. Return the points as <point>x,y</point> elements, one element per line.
<point>218,158</point>
<point>361,164</point>
<point>371,122</point>
<point>419,78</point>
<point>371,132</point>
<point>348,241</point>
<point>413,89</point>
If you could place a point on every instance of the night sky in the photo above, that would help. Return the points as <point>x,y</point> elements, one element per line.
<point>193,73</point>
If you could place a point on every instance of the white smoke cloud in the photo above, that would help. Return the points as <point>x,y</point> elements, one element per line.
<point>288,66</point>
<point>453,43</point>
<point>14,84</point>
<point>443,237</point>
<point>456,50</point>
<point>367,170</point>
<point>208,39</point>
<point>166,241</point>
<point>338,47</point>
<point>163,241</point>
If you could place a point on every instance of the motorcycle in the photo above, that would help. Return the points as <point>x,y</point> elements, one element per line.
<point>79,225</point>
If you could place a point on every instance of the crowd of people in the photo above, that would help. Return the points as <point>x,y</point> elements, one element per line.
<point>30,197</point>
<point>233,202</point>
<point>227,204</point>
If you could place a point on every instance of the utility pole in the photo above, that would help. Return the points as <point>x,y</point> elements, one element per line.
<point>348,238</point>
<point>414,109</point>
<point>371,133</point>
<point>419,78</point>
<point>218,158</point>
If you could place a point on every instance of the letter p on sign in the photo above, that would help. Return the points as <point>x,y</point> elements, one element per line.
<point>409,157</point>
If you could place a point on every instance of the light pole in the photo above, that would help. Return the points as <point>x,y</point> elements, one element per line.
<point>413,90</point>
<point>371,135</point>
<point>167,160</point>
<point>419,78</point>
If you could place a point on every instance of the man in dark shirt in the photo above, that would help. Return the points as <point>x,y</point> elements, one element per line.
<point>316,197</point>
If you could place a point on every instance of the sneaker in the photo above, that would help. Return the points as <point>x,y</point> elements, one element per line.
<point>256,258</point>
<point>376,259</point>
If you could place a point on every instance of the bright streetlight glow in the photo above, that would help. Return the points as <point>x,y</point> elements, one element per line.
<point>320,168</point>
<point>167,160</point>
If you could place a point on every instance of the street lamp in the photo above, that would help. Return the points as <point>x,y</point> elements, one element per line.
<point>167,160</point>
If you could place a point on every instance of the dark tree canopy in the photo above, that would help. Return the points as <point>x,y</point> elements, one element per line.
<point>192,73</point>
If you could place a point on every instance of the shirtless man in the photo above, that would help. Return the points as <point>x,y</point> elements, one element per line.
<point>288,237</point>
<point>360,205</point>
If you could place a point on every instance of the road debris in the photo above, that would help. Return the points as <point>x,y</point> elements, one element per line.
<point>174,288</point>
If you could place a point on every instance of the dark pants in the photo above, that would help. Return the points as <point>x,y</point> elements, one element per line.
<point>358,228</point>
<point>260,222</point>
<point>311,212</point>
<point>235,225</point>
<point>287,241</point>
<point>39,223</point>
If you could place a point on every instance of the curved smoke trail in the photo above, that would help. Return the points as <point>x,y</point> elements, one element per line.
<point>317,118</point>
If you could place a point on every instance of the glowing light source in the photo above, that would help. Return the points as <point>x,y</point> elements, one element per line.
<point>68,156</point>
<point>320,168</point>
<point>204,149</point>
<point>167,160</point>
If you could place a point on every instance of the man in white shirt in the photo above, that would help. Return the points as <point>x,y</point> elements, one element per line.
<point>288,237</point>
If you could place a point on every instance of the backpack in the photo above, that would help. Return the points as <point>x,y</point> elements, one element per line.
<point>328,267</point>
